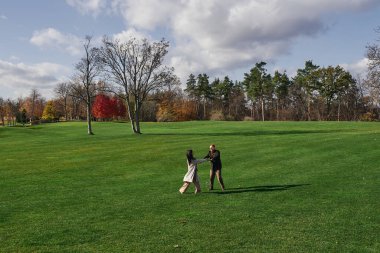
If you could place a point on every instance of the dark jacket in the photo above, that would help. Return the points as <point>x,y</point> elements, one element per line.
<point>216,163</point>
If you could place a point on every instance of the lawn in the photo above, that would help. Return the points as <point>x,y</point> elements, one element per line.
<point>290,187</point>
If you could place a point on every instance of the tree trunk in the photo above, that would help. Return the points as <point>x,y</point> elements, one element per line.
<point>137,117</point>
<point>32,115</point>
<point>328,109</point>
<point>308,108</point>
<point>278,113</point>
<point>262,109</point>
<point>89,127</point>
<point>338,110</point>
<point>65,105</point>
<point>204,109</point>
<point>130,115</point>
<point>252,111</point>
<point>197,113</point>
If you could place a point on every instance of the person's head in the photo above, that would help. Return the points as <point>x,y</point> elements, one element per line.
<point>189,155</point>
<point>212,147</point>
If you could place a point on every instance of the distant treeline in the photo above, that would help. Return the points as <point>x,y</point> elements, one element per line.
<point>315,93</point>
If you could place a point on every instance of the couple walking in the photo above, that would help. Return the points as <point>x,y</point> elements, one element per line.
<point>192,171</point>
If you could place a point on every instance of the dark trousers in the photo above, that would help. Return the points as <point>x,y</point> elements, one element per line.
<point>218,174</point>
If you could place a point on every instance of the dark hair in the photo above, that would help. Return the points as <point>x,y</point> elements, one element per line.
<point>189,155</point>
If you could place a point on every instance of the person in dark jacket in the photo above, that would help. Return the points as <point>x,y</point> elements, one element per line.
<point>216,167</point>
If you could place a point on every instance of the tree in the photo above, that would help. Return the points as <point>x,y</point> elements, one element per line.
<point>49,111</point>
<point>136,68</point>
<point>169,103</point>
<point>373,77</point>
<point>333,83</point>
<point>33,98</point>
<point>191,87</point>
<point>221,94</point>
<point>258,85</point>
<point>204,91</point>
<point>193,93</point>
<point>185,110</point>
<point>11,111</point>
<point>237,102</point>
<point>118,107</point>
<point>62,90</point>
<point>352,100</point>
<point>2,111</point>
<point>281,85</point>
<point>103,107</point>
<point>307,79</point>
<point>21,117</point>
<point>84,84</point>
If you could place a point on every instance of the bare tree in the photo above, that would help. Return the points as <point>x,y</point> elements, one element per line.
<point>83,84</point>
<point>62,90</point>
<point>373,78</point>
<point>2,111</point>
<point>11,110</point>
<point>373,54</point>
<point>34,96</point>
<point>136,67</point>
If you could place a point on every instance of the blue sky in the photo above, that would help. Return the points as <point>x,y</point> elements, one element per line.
<point>41,39</point>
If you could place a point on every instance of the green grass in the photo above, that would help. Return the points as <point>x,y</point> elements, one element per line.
<point>291,187</point>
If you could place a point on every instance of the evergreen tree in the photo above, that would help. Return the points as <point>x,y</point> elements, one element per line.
<point>281,85</point>
<point>258,85</point>
<point>307,78</point>
<point>204,90</point>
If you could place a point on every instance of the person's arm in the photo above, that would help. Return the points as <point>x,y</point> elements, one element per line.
<point>207,156</point>
<point>200,161</point>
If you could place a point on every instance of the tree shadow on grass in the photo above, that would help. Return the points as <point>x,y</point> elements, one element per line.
<point>249,133</point>
<point>262,188</point>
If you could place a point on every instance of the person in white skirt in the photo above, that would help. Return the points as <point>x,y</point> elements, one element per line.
<point>192,173</point>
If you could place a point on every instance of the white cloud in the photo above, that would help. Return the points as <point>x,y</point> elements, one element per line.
<point>357,68</point>
<point>215,35</point>
<point>53,38</point>
<point>130,33</point>
<point>3,17</point>
<point>20,78</point>
<point>147,14</point>
<point>88,6</point>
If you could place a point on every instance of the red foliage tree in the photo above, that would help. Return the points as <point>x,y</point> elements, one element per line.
<point>102,107</point>
<point>120,110</point>
<point>106,107</point>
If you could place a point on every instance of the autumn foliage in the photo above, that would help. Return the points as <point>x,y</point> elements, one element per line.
<point>106,107</point>
<point>49,112</point>
<point>178,110</point>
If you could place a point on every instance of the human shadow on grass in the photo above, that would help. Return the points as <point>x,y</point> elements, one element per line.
<point>262,188</point>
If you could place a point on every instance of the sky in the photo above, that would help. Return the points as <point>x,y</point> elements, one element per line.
<point>42,40</point>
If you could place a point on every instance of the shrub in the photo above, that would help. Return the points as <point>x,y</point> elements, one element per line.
<point>217,116</point>
<point>164,114</point>
<point>368,116</point>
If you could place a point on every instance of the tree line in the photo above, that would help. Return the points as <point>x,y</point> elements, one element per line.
<point>128,81</point>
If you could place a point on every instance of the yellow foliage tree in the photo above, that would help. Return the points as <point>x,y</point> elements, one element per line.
<point>49,111</point>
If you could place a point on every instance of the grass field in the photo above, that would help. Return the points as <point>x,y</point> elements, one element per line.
<point>291,187</point>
